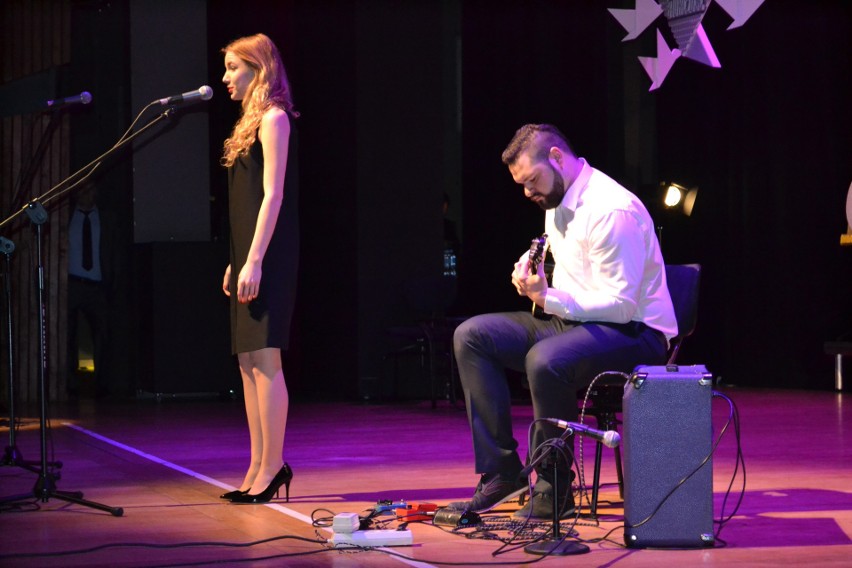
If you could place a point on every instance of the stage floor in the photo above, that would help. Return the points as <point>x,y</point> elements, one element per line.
<point>165,462</point>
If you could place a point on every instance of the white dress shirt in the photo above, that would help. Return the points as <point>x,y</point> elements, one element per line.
<point>608,263</point>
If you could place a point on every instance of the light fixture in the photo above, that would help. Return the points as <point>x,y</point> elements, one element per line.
<point>677,196</point>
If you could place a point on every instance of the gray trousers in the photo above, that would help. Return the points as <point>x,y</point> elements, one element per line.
<point>559,357</point>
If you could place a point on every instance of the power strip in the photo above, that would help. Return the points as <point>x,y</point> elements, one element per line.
<point>373,538</point>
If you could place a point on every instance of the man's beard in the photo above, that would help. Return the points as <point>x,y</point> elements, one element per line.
<point>557,192</point>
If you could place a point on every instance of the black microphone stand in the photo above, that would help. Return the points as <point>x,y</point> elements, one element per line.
<point>556,544</point>
<point>12,456</point>
<point>45,486</point>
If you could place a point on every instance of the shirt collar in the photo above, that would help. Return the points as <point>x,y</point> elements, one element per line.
<point>572,194</point>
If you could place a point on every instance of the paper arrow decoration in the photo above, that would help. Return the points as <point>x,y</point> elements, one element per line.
<point>700,50</point>
<point>739,10</point>
<point>636,21</point>
<point>684,18</point>
<point>658,67</point>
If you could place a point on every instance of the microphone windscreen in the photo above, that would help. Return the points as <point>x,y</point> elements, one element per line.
<point>611,439</point>
<point>206,93</point>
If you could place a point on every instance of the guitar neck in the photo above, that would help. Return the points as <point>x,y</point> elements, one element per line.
<point>538,249</point>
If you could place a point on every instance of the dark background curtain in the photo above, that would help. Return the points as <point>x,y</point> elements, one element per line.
<point>403,102</point>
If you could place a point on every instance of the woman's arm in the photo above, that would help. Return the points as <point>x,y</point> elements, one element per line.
<point>274,134</point>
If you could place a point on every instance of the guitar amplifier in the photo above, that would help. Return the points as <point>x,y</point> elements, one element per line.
<point>668,470</point>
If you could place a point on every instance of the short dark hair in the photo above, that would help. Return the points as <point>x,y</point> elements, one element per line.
<point>538,139</point>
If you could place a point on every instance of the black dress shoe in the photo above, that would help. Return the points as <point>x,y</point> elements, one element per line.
<point>492,490</point>
<point>540,507</point>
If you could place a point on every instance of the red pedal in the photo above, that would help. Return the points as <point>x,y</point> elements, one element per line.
<point>416,512</point>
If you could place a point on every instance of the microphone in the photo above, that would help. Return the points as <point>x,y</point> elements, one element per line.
<point>610,438</point>
<point>83,98</point>
<point>204,93</point>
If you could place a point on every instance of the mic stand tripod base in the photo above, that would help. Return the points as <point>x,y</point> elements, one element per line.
<point>556,545</point>
<point>45,489</point>
<point>14,457</point>
<point>556,548</point>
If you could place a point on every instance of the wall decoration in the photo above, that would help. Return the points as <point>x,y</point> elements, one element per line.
<point>684,20</point>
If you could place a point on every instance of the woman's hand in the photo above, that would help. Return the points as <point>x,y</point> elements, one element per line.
<point>248,284</point>
<point>226,281</point>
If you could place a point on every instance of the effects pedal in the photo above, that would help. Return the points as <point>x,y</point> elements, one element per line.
<point>454,518</point>
<point>416,512</point>
<point>388,506</point>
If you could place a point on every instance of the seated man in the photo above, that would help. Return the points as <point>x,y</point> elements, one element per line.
<point>608,309</point>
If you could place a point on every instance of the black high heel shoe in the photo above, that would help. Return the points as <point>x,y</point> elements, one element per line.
<point>231,494</point>
<point>283,477</point>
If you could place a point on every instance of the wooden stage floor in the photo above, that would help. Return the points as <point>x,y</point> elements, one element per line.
<point>165,463</point>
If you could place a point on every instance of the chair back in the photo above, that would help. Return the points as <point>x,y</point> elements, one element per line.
<point>683,281</point>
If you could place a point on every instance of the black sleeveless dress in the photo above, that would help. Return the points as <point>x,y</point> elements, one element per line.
<point>265,321</point>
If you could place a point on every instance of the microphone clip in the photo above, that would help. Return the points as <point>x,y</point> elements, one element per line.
<point>569,431</point>
<point>36,212</point>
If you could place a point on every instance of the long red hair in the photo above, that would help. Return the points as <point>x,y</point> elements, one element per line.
<point>269,88</point>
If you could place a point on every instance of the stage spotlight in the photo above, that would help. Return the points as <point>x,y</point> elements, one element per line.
<point>677,196</point>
